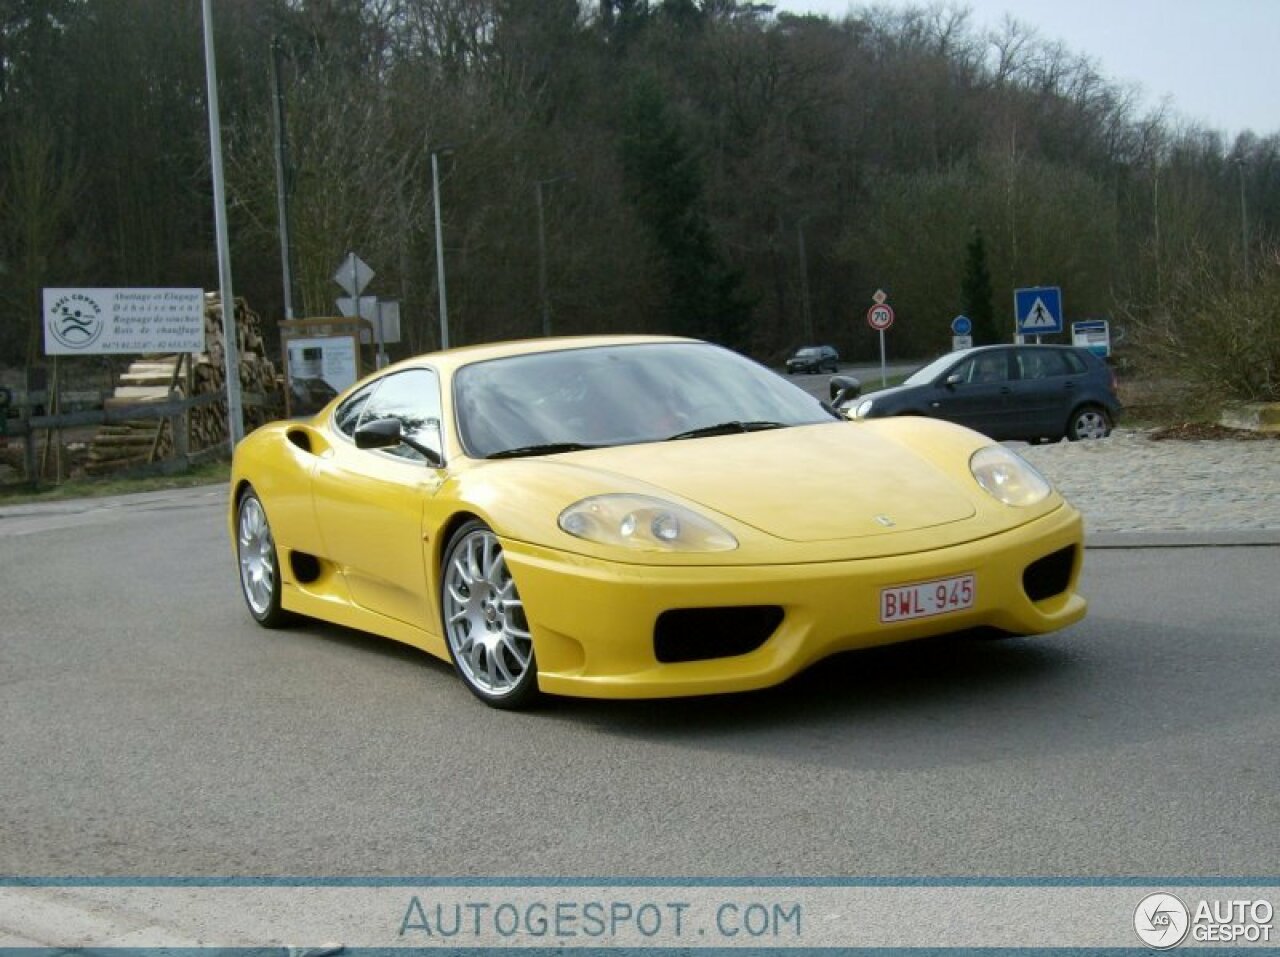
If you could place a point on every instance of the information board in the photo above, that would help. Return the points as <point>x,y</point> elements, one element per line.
<point>100,321</point>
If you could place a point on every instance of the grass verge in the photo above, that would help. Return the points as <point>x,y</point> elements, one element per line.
<point>211,473</point>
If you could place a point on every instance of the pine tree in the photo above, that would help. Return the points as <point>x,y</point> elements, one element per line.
<point>975,291</point>
<point>665,182</point>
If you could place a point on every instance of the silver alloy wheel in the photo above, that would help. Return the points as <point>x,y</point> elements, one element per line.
<point>484,618</point>
<point>257,553</point>
<point>1090,424</point>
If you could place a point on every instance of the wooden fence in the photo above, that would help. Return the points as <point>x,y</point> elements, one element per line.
<point>173,413</point>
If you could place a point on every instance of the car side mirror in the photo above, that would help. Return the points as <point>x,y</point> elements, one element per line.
<point>379,434</point>
<point>844,388</point>
<point>952,380</point>
<point>387,434</point>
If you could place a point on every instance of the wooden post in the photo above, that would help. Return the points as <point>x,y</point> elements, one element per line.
<point>57,435</point>
<point>29,446</point>
<point>160,423</point>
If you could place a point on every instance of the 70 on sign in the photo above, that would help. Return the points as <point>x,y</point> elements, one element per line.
<point>880,316</point>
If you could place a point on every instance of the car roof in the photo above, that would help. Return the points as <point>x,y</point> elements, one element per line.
<point>975,350</point>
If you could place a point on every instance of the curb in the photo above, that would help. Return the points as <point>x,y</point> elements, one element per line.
<point>1228,538</point>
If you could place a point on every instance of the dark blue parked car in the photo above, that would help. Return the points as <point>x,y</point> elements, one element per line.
<point>813,359</point>
<point>1007,392</point>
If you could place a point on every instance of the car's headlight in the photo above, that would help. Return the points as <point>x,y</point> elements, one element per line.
<point>1008,477</point>
<point>863,408</point>
<point>645,524</point>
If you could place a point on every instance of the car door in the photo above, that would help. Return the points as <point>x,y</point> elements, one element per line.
<point>1043,392</point>
<point>370,502</point>
<point>975,393</point>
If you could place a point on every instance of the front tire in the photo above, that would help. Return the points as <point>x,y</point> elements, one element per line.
<point>1088,422</point>
<point>259,563</point>
<point>484,621</point>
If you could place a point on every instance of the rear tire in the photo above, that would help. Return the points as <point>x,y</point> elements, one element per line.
<point>259,563</point>
<point>1088,422</point>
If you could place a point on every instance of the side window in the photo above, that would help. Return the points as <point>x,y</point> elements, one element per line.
<point>1075,363</point>
<point>1040,364</point>
<point>413,397</point>
<point>347,415</point>
<point>984,367</point>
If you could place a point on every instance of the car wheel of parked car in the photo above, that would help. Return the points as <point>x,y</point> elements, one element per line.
<point>1088,422</point>
<point>259,563</point>
<point>484,621</point>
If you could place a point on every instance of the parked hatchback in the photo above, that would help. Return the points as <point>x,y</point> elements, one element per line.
<point>1007,392</point>
<point>814,359</point>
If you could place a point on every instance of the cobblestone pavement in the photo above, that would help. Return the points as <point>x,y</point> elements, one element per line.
<point>1129,483</point>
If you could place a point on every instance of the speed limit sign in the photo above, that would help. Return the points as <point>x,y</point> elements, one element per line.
<point>880,316</point>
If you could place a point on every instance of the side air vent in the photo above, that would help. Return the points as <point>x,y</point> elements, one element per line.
<point>300,438</point>
<point>306,568</point>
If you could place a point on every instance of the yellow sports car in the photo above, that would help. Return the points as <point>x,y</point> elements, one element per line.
<point>631,517</point>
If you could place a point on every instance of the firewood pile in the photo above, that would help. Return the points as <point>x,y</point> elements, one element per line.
<point>159,378</point>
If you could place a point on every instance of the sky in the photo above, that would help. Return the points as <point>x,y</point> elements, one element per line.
<point>1215,62</point>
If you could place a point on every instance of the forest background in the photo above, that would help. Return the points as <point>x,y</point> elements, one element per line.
<point>718,169</point>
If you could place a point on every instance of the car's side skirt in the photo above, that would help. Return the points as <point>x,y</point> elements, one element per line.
<point>340,611</point>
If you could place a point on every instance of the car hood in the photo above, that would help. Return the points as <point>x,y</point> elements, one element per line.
<point>810,493</point>
<point>802,484</point>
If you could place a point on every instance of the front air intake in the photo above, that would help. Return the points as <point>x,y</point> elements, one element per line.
<point>1050,575</point>
<point>701,634</point>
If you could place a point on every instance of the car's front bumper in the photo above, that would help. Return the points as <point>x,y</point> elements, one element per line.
<point>593,621</point>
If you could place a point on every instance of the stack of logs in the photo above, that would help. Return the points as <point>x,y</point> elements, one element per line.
<point>159,378</point>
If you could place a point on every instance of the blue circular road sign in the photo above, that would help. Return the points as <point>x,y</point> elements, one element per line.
<point>961,326</point>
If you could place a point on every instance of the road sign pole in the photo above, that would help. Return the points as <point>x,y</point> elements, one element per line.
<point>381,359</point>
<point>880,318</point>
<point>230,343</point>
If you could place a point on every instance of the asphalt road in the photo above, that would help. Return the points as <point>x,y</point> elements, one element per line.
<point>148,727</point>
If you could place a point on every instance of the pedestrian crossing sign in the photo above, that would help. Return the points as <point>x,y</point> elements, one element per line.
<point>1038,310</point>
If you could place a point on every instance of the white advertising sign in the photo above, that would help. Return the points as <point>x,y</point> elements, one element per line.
<point>98,321</point>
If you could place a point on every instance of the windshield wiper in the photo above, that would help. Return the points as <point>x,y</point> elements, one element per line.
<point>549,448</point>
<point>727,428</point>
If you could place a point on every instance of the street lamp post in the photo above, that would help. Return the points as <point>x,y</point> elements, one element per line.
<point>231,355</point>
<point>806,312</point>
<point>282,176</point>
<point>543,295</point>
<point>435,194</point>
<point>542,262</point>
<point>1244,219</point>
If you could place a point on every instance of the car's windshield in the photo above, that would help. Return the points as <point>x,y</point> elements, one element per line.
<point>806,353</point>
<point>927,374</point>
<point>620,395</point>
